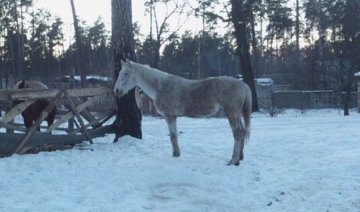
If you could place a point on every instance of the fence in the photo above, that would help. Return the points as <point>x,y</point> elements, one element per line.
<point>105,103</point>
<point>303,99</point>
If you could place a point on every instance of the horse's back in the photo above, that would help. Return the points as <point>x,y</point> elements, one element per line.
<point>229,88</point>
<point>33,111</point>
<point>30,84</point>
<point>196,98</point>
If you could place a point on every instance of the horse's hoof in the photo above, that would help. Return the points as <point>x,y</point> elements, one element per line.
<point>232,163</point>
<point>176,154</point>
<point>116,139</point>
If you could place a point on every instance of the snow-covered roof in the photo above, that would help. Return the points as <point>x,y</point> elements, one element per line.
<point>91,76</point>
<point>260,81</point>
<point>264,81</point>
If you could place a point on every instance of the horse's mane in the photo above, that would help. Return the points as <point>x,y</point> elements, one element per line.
<point>143,67</point>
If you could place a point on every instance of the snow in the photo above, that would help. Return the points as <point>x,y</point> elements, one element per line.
<point>264,81</point>
<point>294,162</point>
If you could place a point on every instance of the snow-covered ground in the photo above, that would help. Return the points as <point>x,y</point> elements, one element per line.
<point>294,162</point>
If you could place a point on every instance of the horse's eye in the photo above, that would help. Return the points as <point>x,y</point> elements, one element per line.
<point>126,73</point>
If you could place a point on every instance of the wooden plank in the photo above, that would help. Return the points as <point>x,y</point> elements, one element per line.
<point>5,94</point>
<point>98,122</point>
<point>71,114</point>
<point>8,141</point>
<point>16,127</point>
<point>72,105</point>
<point>97,91</point>
<point>84,113</point>
<point>24,94</point>
<point>15,111</point>
<point>32,129</point>
<point>22,128</point>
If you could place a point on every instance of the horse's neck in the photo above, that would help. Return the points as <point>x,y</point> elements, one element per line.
<point>149,80</point>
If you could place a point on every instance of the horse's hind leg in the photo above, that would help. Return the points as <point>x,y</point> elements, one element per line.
<point>51,117</point>
<point>239,137</point>
<point>171,122</point>
<point>28,122</point>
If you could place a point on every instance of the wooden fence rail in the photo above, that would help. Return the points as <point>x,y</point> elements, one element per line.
<point>77,101</point>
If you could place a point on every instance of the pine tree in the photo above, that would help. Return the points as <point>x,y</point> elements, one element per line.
<point>128,116</point>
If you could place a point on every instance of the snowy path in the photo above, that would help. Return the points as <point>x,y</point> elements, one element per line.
<point>294,162</point>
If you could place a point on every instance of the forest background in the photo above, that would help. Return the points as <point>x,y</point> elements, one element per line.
<point>301,44</point>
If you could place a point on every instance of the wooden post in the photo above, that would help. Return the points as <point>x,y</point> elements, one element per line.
<point>72,86</point>
<point>44,114</point>
<point>10,115</point>
<point>71,114</point>
<point>73,107</point>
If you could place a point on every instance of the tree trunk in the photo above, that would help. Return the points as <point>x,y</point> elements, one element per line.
<point>19,61</point>
<point>79,52</point>
<point>156,60</point>
<point>128,116</point>
<point>238,19</point>
<point>254,45</point>
<point>297,26</point>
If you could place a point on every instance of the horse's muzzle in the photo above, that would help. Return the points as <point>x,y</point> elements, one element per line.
<point>118,92</point>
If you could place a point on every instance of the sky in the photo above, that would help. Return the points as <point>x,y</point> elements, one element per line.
<point>91,10</point>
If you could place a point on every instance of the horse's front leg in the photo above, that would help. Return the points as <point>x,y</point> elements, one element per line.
<point>171,122</point>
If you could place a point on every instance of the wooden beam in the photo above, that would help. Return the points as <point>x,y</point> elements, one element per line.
<point>32,129</point>
<point>5,94</point>
<point>21,128</point>
<point>71,114</point>
<point>8,142</point>
<point>24,94</point>
<point>85,113</point>
<point>15,111</point>
<point>99,121</point>
<point>16,127</point>
<point>97,91</point>
<point>73,107</point>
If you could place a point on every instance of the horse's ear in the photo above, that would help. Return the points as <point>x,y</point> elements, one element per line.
<point>129,62</point>
<point>123,63</point>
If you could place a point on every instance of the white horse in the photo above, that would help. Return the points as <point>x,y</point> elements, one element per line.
<point>175,96</point>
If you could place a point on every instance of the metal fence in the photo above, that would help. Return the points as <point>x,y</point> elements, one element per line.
<point>303,99</point>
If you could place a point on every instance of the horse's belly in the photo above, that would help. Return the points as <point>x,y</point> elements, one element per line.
<point>201,111</point>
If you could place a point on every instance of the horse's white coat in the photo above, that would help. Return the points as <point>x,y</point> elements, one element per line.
<point>175,96</point>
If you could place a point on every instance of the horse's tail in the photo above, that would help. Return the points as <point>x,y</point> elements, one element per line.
<point>247,112</point>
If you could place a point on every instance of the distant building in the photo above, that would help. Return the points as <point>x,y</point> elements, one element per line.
<point>90,80</point>
<point>262,81</point>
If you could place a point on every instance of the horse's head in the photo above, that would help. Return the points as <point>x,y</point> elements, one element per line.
<point>126,79</point>
<point>30,84</point>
